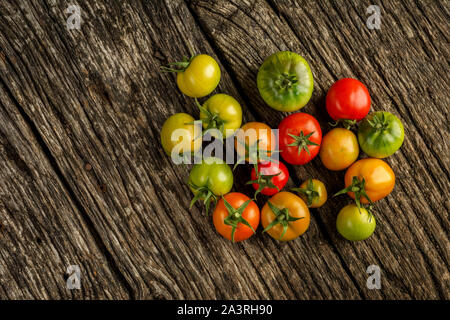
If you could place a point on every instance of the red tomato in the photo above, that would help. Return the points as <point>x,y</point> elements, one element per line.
<point>348,99</point>
<point>271,175</point>
<point>300,138</point>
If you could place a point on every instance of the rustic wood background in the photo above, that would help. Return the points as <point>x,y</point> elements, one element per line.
<point>84,181</point>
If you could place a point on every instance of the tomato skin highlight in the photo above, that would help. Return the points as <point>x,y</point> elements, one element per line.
<point>354,224</point>
<point>226,110</point>
<point>297,209</point>
<point>189,141</point>
<point>378,175</point>
<point>251,214</point>
<point>381,134</point>
<point>285,81</point>
<point>271,168</point>
<point>200,78</point>
<point>348,99</point>
<point>339,149</point>
<point>297,124</point>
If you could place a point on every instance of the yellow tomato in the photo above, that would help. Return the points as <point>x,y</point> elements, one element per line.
<point>313,192</point>
<point>339,149</point>
<point>179,131</point>
<point>200,77</point>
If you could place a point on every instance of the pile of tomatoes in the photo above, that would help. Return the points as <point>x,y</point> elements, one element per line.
<point>285,83</point>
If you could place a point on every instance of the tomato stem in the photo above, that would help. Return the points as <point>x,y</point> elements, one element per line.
<point>309,192</point>
<point>178,66</point>
<point>235,216</point>
<point>263,181</point>
<point>302,142</point>
<point>282,217</point>
<point>358,188</point>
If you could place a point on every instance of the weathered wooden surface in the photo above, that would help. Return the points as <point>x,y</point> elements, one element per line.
<point>80,120</point>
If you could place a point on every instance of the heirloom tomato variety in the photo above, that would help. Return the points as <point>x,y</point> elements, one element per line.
<point>179,131</point>
<point>285,216</point>
<point>255,142</point>
<point>368,180</point>
<point>270,178</point>
<point>300,138</point>
<point>196,77</point>
<point>380,134</point>
<point>313,192</point>
<point>339,149</point>
<point>221,112</point>
<point>236,217</point>
<point>210,179</point>
<point>348,99</point>
<point>285,81</point>
<point>355,223</point>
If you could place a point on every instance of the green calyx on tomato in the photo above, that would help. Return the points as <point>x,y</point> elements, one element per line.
<point>285,81</point>
<point>178,66</point>
<point>221,112</point>
<point>381,134</point>
<point>282,217</point>
<point>264,181</point>
<point>302,142</point>
<point>346,123</point>
<point>235,216</point>
<point>210,179</point>
<point>358,188</point>
<point>308,192</point>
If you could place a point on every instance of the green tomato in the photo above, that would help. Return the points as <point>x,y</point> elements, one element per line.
<point>221,112</point>
<point>381,134</point>
<point>210,179</point>
<point>186,140</point>
<point>285,81</point>
<point>354,224</point>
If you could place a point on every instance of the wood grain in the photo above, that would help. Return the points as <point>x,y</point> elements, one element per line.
<point>42,232</point>
<point>95,101</point>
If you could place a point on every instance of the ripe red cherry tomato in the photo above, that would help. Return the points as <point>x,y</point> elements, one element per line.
<point>300,138</point>
<point>272,177</point>
<point>348,99</point>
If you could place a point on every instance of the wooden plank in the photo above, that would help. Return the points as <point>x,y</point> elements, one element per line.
<point>96,96</point>
<point>42,232</point>
<point>404,67</point>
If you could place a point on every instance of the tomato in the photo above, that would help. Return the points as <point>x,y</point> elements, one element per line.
<point>348,99</point>
<point>236,217</point>
<point>355,224</point>
<point>209,179</point>
<point>312,191</point>
<point>271,178</point>
<point>381,134</point>
<point>179,131</point>
<point>196,77</point>
<point>221,112</point>
<point>255,142</point>
<point>339,149</point>
<point>285,81</point>
<point>285,216</point>
<point>368,180</point>
<point>300,138</point>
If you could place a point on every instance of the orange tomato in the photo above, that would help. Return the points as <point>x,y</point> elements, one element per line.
<point>237,217</point>
<point>378,177</point>
<point>254,137</point>
<point>285,216</point>
<point>339,149</point>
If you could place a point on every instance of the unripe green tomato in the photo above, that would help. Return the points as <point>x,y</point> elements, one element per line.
<point>212,173</point>
<point>380,134</point>
<point>354,224</point>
